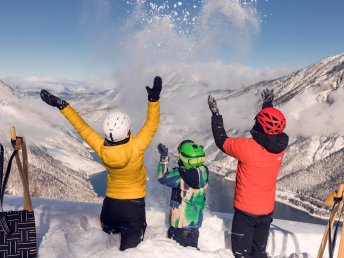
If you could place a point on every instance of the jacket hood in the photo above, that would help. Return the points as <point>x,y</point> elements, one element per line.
<point>117,156</point>
<point>192,177</point>
<point>272,143</point>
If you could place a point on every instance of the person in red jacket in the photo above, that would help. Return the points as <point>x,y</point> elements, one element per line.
<point>259,161</point>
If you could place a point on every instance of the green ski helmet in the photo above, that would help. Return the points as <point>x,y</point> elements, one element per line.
<point>191,154</point>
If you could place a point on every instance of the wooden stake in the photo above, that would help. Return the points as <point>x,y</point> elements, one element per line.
<point>339,194</point>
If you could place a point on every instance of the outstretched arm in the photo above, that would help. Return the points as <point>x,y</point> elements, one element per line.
<point>93,139</point>
<point>146,134</point>
<point>166,177</point>
<point>219,131</point>
<point>52,100</point>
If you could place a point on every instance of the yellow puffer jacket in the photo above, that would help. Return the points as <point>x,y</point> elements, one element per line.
<point>126,177</point>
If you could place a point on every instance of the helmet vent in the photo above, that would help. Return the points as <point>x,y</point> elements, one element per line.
<point>118,124</point>
<point>272,120</point>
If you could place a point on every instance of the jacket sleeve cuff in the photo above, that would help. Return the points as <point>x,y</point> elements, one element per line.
<point>153,99</point>
<point>267,104</point>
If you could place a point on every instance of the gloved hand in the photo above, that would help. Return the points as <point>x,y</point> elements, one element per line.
<point>213,105</point>
<point>163,150</point>
<point>268,96</point>
<point>52,100</point>
<point>154,93</point>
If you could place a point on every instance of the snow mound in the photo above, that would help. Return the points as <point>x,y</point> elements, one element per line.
<point>72,229</point>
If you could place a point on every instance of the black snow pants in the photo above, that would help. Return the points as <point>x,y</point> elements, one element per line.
<point>184,236</point>
<point>127,217</point>
<point>250,234</point>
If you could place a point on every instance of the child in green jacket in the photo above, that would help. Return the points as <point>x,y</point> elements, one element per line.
<point>189,182</point>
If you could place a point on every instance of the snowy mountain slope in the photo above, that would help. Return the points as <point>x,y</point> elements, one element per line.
<point>312,100</point>
<point>72,229</point>
<point>307,97</point>
<point>84,99</point>
<point>59,164</point>
<point>6,90</point>
<point>314,163</point>
<point>323,78</point>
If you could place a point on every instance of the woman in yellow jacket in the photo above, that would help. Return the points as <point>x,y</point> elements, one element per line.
<point>122,155</point>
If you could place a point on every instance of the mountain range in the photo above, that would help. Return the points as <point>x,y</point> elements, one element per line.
<point>310,98</point>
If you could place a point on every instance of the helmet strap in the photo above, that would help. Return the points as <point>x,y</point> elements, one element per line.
<point>108,142</point>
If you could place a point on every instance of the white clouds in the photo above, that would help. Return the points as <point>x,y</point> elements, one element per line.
<point>58,85</point>
<point>229,23</point>
<point>234,76</point>
<point>185,88</point>
<point>148,33</point>
<point>307,117</point>
<point>28,116</point>
<point>157,41</point>
<point>161,35</point>
<point>184,96</point>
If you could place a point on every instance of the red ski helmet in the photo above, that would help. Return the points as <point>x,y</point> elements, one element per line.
<point>272,120</point>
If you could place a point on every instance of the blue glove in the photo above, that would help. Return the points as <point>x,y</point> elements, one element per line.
<point>163,150</point>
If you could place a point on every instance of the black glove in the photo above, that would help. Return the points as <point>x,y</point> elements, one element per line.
<point>163,150</point>
<point>213,105</point>
<point>268,96</point>
<point>52,100</point>
<point>154,93</point>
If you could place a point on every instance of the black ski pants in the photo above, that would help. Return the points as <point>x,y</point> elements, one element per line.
<point>250,234</point>
<point>184,236</point>
<point>127,217</point>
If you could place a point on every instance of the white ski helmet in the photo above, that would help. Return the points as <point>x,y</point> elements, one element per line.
<point>116,126</point>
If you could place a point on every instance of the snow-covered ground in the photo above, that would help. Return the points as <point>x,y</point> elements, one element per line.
<point>72,229</point>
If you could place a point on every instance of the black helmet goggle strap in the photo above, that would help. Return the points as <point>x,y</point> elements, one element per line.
<point>192,160</point>
<point>189,156</point>
<point>183,142</point>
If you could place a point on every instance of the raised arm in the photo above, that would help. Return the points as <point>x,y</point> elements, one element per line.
<point>93,139</point>
<point>268,97</point>
<point>166,177</point>
<point>219,131</point>
<point>146,134</point>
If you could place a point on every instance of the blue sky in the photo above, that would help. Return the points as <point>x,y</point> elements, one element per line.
<point>78,39</point>
<point>299,32</point>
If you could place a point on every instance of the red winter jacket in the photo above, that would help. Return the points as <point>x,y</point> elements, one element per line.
<point>257,170</point>
<point>259,161</point>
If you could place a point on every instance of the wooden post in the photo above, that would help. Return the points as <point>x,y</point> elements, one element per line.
<point>325,236</point>
<point>18,144</point>
<point>341,244</point>
<point>13,133</point>
<point>339,194</point>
